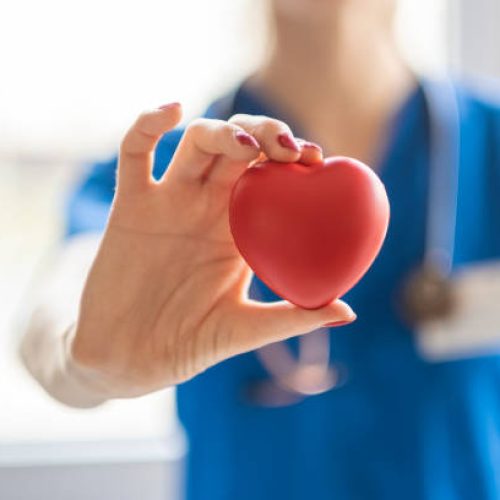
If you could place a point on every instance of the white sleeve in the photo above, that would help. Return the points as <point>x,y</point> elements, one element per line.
<point>44,346</point>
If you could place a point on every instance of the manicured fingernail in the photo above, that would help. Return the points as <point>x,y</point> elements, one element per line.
<point>170,105</point>
<point>246,139</point>
<point>336,324</point>
<point>287,141</point>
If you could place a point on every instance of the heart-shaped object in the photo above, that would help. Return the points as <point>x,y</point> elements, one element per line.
<point>309,232</point>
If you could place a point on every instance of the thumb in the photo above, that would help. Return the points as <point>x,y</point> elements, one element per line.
<point>268,323</point>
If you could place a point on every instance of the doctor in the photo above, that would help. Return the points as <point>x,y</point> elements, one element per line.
<point>164,301</point>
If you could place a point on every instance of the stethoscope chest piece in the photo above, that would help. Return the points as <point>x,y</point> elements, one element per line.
<point>428,295</point>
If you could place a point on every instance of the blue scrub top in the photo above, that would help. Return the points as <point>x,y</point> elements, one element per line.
<point>400,427</point>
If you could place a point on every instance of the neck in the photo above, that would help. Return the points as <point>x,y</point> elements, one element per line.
<point>331,79</point>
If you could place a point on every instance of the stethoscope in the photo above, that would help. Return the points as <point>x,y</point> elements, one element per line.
<point>427,293</point>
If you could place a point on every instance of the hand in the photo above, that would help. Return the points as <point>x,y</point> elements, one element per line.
<point>166,296</point>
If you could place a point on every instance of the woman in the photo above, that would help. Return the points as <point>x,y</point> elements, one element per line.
<point>164,301</point>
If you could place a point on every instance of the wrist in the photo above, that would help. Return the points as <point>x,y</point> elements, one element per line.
<point>99,373</point>
<point>87,380</point>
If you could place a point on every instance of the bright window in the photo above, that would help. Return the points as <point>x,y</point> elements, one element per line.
<point>75,73</point>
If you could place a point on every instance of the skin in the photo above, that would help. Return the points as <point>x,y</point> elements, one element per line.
<point>335,68</point>
<point>166,296</point>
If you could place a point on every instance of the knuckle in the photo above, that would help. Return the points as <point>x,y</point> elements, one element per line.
<point>125,142</point>
<point>141,119</point>
<point>239,117</point>
<point>228,131</point>
<point>263,127</point>
<point>197,125</point>
<point>139,127</point>
<point>130,146</point>
<point>273,125</point>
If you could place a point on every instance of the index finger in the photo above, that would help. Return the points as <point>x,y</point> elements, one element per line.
<point>136,151</point>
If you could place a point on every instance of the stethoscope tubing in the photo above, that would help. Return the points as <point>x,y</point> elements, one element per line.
<point>444,161</point>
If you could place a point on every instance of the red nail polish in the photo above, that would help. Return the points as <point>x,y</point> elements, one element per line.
<point>246,139</point>
<point>336,324</point>
<point>170,105</point>
<point>287,141</point>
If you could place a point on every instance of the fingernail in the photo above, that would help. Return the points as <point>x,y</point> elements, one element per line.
<point>287,141</point>
<point>246,139</point>
<point>336,324</point>
<point>170,105</point>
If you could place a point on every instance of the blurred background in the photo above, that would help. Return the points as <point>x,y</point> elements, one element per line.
<point>73,76</point>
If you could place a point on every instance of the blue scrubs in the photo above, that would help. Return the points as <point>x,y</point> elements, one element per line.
<point>400,428</point>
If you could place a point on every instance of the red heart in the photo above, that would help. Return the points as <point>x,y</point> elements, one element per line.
<point>309,232</point>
